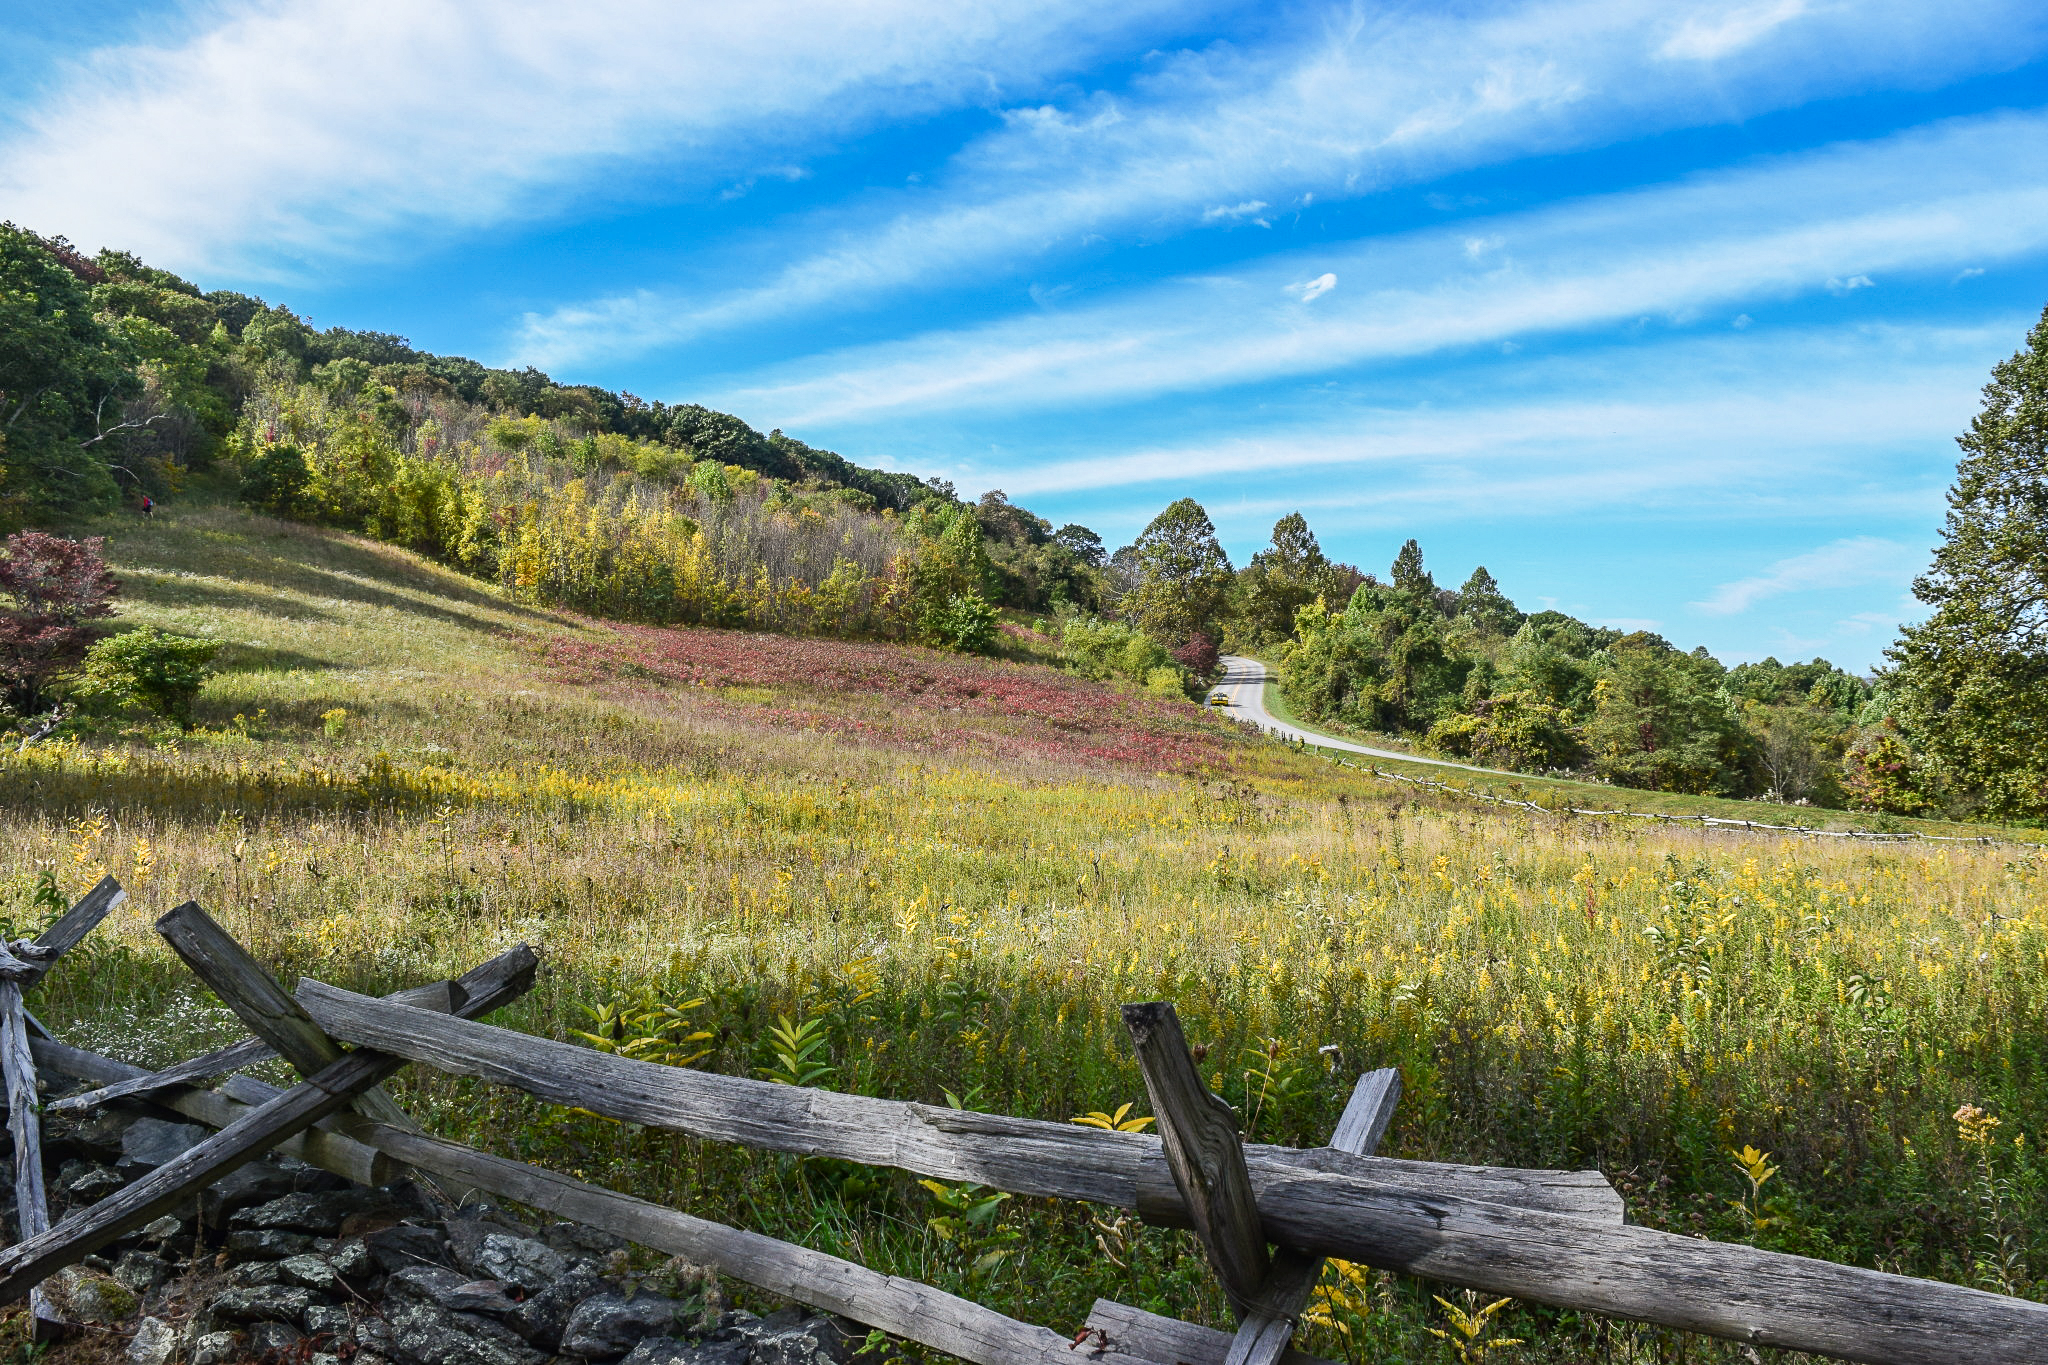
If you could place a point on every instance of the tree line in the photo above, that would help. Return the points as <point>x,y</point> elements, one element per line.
<point>121,381</point>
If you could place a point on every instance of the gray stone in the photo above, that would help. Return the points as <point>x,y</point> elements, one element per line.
<point>261,1303</point>
<point>331,1322</point>
<point>352,1261</point>
<point>141,1271</point>
<point>606,1325</point>
<point>318,1211</point>
<point>152,1142</point>
<point>468,1227</point>
<point>481,1296</point>
<point>272,1340</point>
<point>521,1262</point>
<point>427,1334</point>
<point>213,1348</point>
<point>424,1283</point>
<point>86,1183</point>
<point>249,1274</point>
<point>309,1272</point>
<point>542,1317</point>
<point>814,1340</point>
<point>100,1131</point>
<point>398,1247</point>
<point>269,1244</point>
<point>256,1183</point>
<point>86,1295</point>
<point>580,1239</point>
<point>163,1229</point>
<point>450,1289</point>
<point>670,1351</point>
<point>154,1343</point>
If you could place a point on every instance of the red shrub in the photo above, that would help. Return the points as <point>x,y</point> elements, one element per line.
<point>955,701</point>
<point>49,588</point>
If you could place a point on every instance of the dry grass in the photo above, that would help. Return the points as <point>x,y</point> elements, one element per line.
<point>966,919</point>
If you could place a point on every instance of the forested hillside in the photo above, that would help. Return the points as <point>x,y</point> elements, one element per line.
<point>120,382</point>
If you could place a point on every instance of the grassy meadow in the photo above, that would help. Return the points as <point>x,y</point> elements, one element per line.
<point>945,875</point>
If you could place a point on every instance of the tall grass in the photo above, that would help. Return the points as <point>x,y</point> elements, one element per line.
<point>1556,993</point>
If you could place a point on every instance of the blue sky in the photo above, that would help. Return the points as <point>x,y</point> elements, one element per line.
<point>1668,313</point>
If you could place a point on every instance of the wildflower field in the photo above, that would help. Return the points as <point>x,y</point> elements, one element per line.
<point>892,872</point>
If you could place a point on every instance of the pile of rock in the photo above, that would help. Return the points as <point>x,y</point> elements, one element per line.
<point>282,1262</point>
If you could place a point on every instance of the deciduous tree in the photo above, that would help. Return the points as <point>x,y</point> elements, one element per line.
<point>1971,682</point>
<point>60,370</point>
<point>1184,575</point>
<point>50,589</point>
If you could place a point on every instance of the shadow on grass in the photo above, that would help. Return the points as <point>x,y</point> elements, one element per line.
<point>160,589</point>
<point>292,561</point>
<point>204,788</point>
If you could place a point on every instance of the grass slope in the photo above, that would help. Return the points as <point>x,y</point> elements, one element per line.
<point>953,871</point>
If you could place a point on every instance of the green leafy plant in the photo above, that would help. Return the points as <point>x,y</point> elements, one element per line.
<point>1757,1212</point>
<point>647,1028</point>
<point>1342,1304</point>
<point>1472,1327</point>
<point>1273,1080</point>
<point>967,623</point>
<point>970,1221</point>
<point>1119,1122</point>
<point>163,672</point>
<point>2000,1265</point>
<point>795,1050</point>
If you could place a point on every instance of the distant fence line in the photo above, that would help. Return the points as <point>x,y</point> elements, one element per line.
<point>1704,821</point>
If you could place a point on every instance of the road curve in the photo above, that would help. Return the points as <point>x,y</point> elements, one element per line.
<point>1244,682</point>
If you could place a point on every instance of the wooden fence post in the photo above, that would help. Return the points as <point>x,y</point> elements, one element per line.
<point>29,1262</point>
<point>1204,1152</point>
<point>247,987</point>
<point>21,966</point>
<point>1263,1337</point>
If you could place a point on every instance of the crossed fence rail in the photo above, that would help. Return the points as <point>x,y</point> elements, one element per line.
<point>1265,1216</point>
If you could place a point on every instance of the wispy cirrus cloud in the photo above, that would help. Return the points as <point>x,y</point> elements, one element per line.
<point>1742,431</point>
<point>1798,225</point>
<point>258,135</point>
<point>1710,34</point>
<point>1358,102</point>
<point>1852,563</point>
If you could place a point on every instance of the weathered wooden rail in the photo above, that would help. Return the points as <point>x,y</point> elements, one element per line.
<point>1265,1216</point>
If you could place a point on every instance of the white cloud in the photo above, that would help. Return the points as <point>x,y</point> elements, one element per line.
<point>1233,211</point>
<point>1724,31</point>
<point>1317,287</point>
<point>1707,426</point>
<point>274,132</point>
<point>1851,563</point>
<point>1913,202</point>
<point>1367,100</point>
<point>1850,285</point>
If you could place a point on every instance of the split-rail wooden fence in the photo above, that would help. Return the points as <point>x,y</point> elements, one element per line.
<point>1265,1216</point>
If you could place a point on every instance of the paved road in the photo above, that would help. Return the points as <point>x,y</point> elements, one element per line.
<point>1244,682</point>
